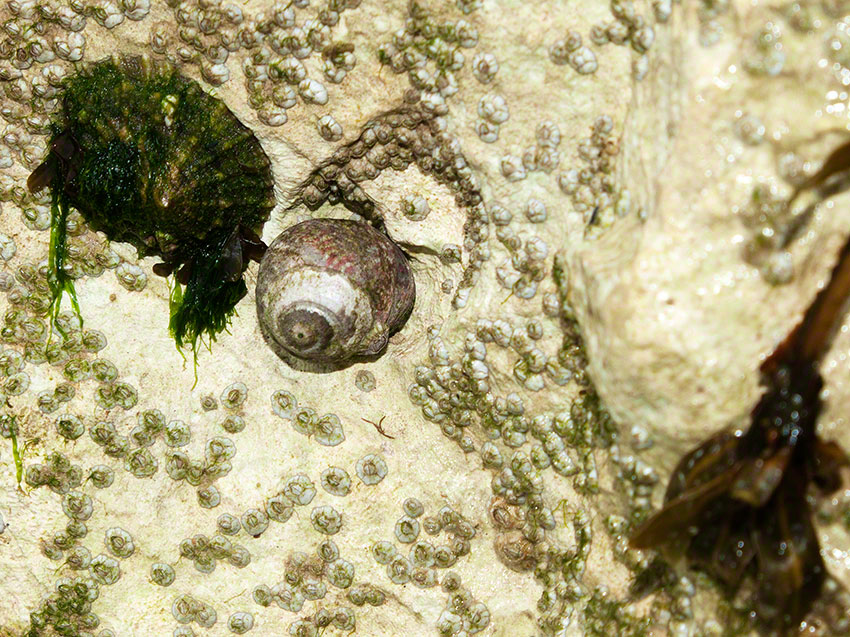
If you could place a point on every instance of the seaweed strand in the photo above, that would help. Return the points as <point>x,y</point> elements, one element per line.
<point>16,454</point>
<point>9,429</point>
<point>207,302</point>
<point>57,278</point>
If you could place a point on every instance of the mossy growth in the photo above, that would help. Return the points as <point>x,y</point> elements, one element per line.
<point>67,611</point>
<point>150,159</point>
<point>604,616</point>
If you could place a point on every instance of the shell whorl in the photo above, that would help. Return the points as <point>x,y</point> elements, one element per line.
<point>330,292</point>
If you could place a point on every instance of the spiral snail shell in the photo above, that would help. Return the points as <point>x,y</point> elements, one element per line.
<point>331,291</point>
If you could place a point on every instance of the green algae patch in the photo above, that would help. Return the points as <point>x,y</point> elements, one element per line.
<point>150,159</point>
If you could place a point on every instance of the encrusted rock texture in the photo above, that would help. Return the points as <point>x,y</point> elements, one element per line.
<point>597,278</point>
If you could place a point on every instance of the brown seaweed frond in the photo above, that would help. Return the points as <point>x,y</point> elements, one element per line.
<point>739,503</point>
<point>740,500</point>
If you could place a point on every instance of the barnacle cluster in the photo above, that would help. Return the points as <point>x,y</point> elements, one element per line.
<point>592,187</point>
<point>326,429</point>
<point>278,48</point>
<point>274,49</point>
<point>306,578</point>
<point>275,73</point>
<point>431,53</point>
<point>521,446</point>
<point>203,553</point>
<point>411,134</point>
<point>269,498</point>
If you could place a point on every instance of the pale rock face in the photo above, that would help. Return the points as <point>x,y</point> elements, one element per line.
<point>675,317</point>
<point>466,481</point>
<point>674,302</point>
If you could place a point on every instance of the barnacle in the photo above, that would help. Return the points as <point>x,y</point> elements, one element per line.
<point>149,158</point>
<point>254,522</point>
<point>406,529</point>
<point>162,574</point>
<point>102,476</point>
<point>240,622</point>
<point>233,424</point>
<point>228,524</point>
<point>119,542</point>
<point>326,520</point>
<point>336,481</point>
<point>371,469</point>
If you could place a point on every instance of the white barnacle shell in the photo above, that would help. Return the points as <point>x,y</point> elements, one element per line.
<point>331,292</point>
<point>313,92</point>
<point>70,49</point>
<point>107,14</point>
<point>136,9</point>
<point>215,74</point>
